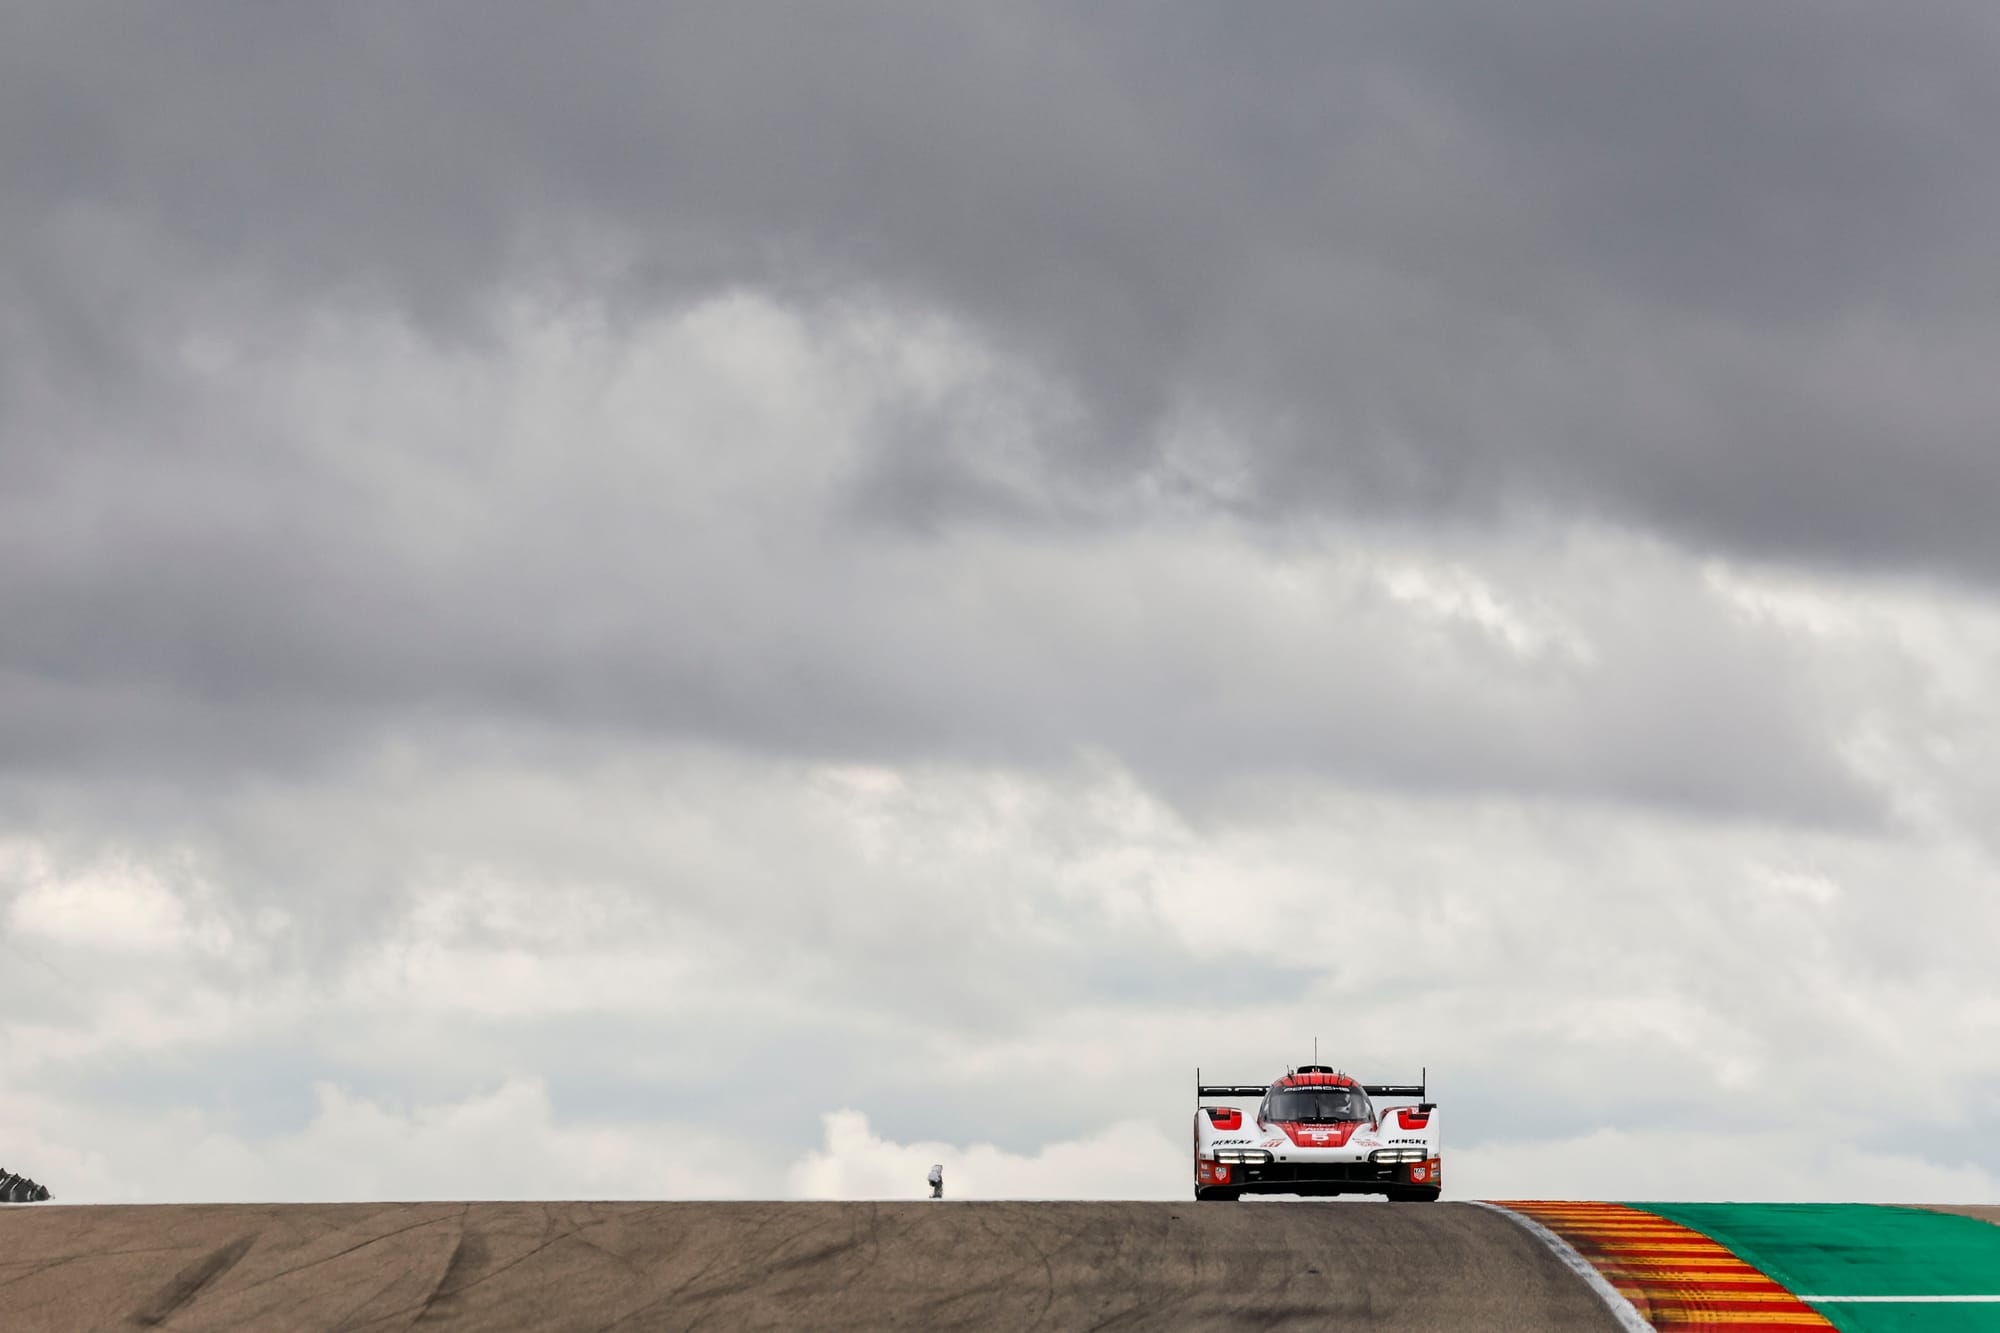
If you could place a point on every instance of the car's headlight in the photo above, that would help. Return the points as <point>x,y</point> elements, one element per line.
<point>1398,1155</point>
<point>1243,1156</point>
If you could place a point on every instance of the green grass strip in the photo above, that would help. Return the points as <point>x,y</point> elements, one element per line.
<point>1848,1249</point>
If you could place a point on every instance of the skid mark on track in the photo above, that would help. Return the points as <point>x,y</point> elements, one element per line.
<point>18,1270</point>
<point>468,1257</point>
<point>322,1260</point>
<point>190,1281</point>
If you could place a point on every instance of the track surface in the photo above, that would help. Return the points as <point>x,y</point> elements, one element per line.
<point>1435,1267</point>
<point>1985,1212</point>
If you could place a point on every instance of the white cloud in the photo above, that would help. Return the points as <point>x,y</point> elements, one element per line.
<point>1712,1160</point>
<point>1129,1160</point>
<point>1454,593</point>
<point>504,1143</point>
<point>1017,960</point>
<point>114,905</point>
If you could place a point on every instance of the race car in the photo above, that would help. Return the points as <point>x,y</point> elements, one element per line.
<point>1315,1132</point>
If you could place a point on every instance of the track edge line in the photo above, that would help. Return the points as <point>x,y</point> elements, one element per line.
<point>1622,1310</point>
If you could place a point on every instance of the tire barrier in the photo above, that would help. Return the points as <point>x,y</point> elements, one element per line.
<point>19,1189</point>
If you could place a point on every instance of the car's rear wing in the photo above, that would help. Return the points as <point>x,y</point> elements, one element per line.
<point>1243,1091</point>
<point>1420,1089</point>
<point>1234,1092</point>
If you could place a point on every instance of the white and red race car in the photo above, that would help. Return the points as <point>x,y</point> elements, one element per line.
<point>1315,1131</point>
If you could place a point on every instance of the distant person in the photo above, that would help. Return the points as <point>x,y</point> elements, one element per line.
<point>937,1181</point>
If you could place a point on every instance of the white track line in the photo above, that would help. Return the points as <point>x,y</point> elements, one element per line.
<point>1901,1300</point>
<point>1622,1310</point>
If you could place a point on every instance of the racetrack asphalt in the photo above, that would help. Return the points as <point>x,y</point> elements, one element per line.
<point>1985,1212</point>
<point>1406,1268</point>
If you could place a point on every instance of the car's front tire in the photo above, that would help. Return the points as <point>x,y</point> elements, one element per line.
<point>1413,1194</point>
<point>1218,1194</point>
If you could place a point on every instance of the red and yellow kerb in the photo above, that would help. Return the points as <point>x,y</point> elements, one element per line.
<point>1676,1278</point>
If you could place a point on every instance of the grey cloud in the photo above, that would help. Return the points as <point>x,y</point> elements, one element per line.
<point>305,633</point>
<point>1428,259</point>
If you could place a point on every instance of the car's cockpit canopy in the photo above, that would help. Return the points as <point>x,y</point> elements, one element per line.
<point>1316,1105</point>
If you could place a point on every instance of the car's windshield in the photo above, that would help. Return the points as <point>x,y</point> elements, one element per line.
<point>1322,1105</point>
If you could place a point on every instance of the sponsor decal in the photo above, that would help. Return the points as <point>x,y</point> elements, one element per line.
<point>1310,1135</point>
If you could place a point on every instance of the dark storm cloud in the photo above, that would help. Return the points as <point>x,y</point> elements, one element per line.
<point>1720,270</point>
<point>189,640</point>
<point>1717,269</point>
<point>1716,272</point>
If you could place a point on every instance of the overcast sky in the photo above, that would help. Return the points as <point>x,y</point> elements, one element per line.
<point>662,601</point>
